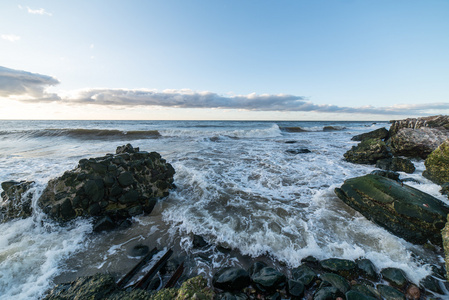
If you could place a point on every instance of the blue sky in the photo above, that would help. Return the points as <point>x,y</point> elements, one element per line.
<point>292,60</point>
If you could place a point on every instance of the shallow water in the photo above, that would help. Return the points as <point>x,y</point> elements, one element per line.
<point>236,186</point>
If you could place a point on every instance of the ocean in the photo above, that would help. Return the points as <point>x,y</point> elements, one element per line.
<point>241,185</point>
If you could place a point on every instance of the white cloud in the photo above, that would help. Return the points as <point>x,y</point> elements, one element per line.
<point>10,37</point>
<point>39,11</point>
<point>22,85</point>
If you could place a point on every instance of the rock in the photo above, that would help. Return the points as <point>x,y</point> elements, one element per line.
<point>342,267</point>
<point>304,274</point>
<point>327,293</point>
<point>337,282</point>
<point>198,241</point>
<point>432,284</point>
<point>103,224</point>
<point>396,164</point>
<point>16,200</point>
<point>268,279</point>
<point>366,290</point>
<point>380,133</point>
<point>394,276</point>
<point>368,152</point>
<point>445,238</point>
<point>195,288</point>
<point>117,186</point>
<point>138,250</point>
<point>390,293</point>
<point>293,129</point>
<point>367,268</point>
<point>231,279</point>
<point>416,123</point>
<point>298,151</point>
<point>295,288</point>
<point>332,128</point>
<point>405,211</point>
<point>388,174</point>
<point>231,296</point>
<point>437,164</point>
<point>445,189</point>
<point>354,295</point>
<point>412,292</point>
<point>417,142</point>
<point>256,267</point>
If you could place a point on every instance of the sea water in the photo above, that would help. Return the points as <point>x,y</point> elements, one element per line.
<point>237,186</point>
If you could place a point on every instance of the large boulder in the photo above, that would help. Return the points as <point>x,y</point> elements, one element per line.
<point>416,123</point>
<point>404,211</point>
<point>437,164</point>
<point>380,133</point>
<point>396,164</point>
<point>15,200</point>
<point>118,186</point>
<point>445,237</point>
<point>369,151</point>
<point>417,142</point>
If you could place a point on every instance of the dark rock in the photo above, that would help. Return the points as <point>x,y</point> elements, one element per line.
<point>341,266</point>
<point>405,211</point>
<point>432,284</point>
<point>310,260</point>
<point>90,191</point>
<point>445,188</point>
<point>388,174</point>
<point>304,274</point>
<point>198,241</point>
<point>231,279</point>
<point>256,267</point>
<point>390,293</point>
<point>332,128</point>
<point>327,293</point>
<point>291,142</point>
<point>16,200</point>
<point>295,288</point>
<point>437,164</point>
<point>138,250</point>
<point>231,296</point>
<point>439,121</point>
<point>417,142</point>
<point>293,129</point>
<point>396,164</point>
<point>367,268</point>
<point>275,296</point>
<point>368,152</point>
<point>268,279</point>
<point>104,224</point>
<point>380,133</point>
<point>394,276</point>
<point>404,180</point>
<point>354,295</point>
<point>366,290</point>
<point>337,282</point>
<point>298,151</point>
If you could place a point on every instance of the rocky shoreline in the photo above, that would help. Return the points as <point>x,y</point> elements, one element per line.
<point>115,187</point>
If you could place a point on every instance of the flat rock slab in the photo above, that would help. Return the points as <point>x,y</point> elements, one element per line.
<point>404,211</point>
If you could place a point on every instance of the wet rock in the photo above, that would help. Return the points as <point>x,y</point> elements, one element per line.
<point>354,295</point>
<point>256,267</point>
<point>367,268</point>
<point>394,276</point>
<point>15,200</point>
<point>336,281</point>
<point>388,174</point>
<point>396,164</point>
<point>380,133</point>
<point>295,288</point>
<point>231,279</point>
<point>231,296</point>
<point>304,274</point>
<point>405,211</point>
<point>198,241</point>
<point>368,152</point>
<point>327,293</point>
<point>343,267</point>
<point>104,224</point>
<point>432,284</point>
<point>138,250</point>
<point>298,151</point>
<point>445,238</point>
<point>437,164</point>
<point>194,288</point>
<point>117,186</point>
<point>390,293</point>
<point>412,292</point>
<point>445,188</point>
<point>268,279</point>
<point>332,128</point>
<point>417,142</point>
<point>366,290</point>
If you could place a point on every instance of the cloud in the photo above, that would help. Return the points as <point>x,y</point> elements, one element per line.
<point>10,37</point>
<point>39,11</point>
<point>22,85</point>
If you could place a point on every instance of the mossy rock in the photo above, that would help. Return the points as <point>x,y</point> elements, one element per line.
<point>437,164</point>
<point>368,151</point>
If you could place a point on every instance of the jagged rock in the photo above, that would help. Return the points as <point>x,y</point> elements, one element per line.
<point>15,202</point>
<point>417,142</point>
<point>394,276</point>
<point>231,279</point>
<point>380,133</point>
<point>368,151</point>
<point>405,211</point>
<point>118,186</point>
<point>416,123</point>
<point>437,164</point>
<point>396,164</point>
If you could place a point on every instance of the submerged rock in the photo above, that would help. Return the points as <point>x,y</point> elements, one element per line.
<point>394,276</point>
<point>368,151</point>
<point>15,202</point>
<point>380,133</point>
<point>404,211</point>
<point>117,186</point>
<point>437,164</point>
<point>298,151</point>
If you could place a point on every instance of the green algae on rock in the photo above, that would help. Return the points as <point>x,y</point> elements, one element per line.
<point>437,164</point>
<point>369,151</point>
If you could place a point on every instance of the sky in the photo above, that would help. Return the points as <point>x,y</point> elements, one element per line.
<point>224,59</point>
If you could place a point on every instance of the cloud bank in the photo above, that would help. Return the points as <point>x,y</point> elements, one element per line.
<point>26,86</point>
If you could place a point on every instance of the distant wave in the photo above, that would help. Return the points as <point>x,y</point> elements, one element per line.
<point>85,134</point>
<point>272,131</point>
